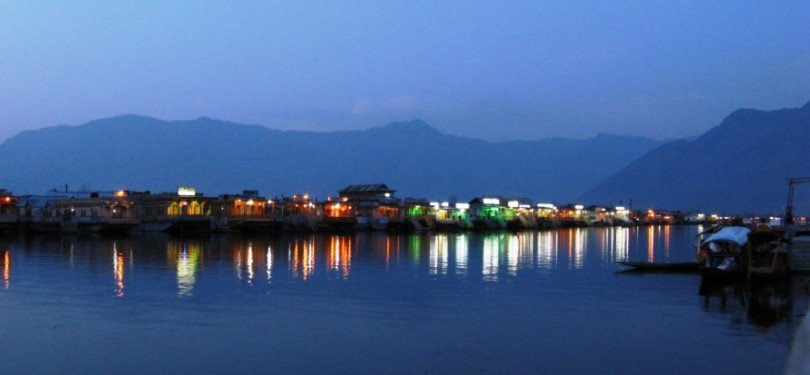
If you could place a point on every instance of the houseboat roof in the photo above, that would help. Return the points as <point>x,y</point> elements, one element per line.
<point>366,188</point>
<point>37,201</point>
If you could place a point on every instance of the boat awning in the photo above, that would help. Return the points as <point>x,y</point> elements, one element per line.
<point>737,235</point>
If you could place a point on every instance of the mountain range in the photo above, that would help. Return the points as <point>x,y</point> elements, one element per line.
<point>140,153</point>
<point>738,167</point>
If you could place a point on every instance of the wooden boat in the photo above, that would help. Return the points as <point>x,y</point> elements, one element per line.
<point>675,267</point>
<point>721,254</point>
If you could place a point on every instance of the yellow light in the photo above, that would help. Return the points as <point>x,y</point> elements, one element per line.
<point>120,193</point>
<point>250,202</point>
<point>185,191</point>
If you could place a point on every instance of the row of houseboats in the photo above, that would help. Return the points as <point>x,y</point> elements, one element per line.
<point>356,207</point>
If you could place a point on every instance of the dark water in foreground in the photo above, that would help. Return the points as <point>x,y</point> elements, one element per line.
<point>538,302</point>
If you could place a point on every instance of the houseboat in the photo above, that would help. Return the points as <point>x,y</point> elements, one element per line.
<point>183,211</point>
<point>8,211</point>
<point>452,216</point>
<point>338,214</point>
<point>546,215</point>
<point>519,214</point>
<point>300,212</point>
<point>246,212</point>
<point>488,213</point>
<point>34,214</point>
<point>572,215</point>
<point>97,212</point>
<point>374,205</point>
<point>417,214</point>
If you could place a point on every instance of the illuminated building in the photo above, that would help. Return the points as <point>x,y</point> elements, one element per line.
<point>455,216</point>
<point>373,205</point>
<point>8,210</point>
<point>185,210</point>
<point>488,213</point>
<point>417,214</point>
<point>246,212</point>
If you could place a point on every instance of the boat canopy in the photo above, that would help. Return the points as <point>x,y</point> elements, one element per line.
<point>737,235</point>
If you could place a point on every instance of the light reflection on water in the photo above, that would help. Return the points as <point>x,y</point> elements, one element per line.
<point>526,291</point>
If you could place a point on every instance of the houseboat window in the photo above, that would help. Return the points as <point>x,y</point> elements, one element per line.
<point>195,208</point>
<point>174,209</point>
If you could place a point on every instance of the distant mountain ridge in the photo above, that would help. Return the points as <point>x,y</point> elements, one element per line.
<point>215,156</point>
<point>738,167</point>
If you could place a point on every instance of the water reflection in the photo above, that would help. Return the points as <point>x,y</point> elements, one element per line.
<point>339,254</point>
<point>547,245</point>
<point>118,271</point>
<point>462,253</point>
<point>269,263</point>
<point>414,286</point>
<point>491,256</point>
<point>187,257</point>
<point>301,254</point>
<point>763,304</point>
<point>6,269</point>
<point>439,252</point>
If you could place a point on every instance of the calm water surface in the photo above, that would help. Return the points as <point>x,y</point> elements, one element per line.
<point>539,302</point>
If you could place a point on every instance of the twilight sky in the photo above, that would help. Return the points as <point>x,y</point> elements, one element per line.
<point>495,70</point>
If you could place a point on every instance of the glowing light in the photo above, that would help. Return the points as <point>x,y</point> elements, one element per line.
<point>462,206</point>
<point>579,207</point>
<point>120,194</point>
<point>547,206</point>
<point>185,191</point>
<point>513,204</point>
<point>445,204</point>
<point>388,195</point>
<point>250,202</point>
<point>491,201</point>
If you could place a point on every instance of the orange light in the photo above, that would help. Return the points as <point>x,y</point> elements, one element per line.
<point>120,193</point>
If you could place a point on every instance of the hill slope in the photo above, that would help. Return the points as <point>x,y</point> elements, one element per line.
<point>218,157</point>
<point>737,167</point>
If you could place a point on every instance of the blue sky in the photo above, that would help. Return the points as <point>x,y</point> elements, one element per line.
<point>495,70</point>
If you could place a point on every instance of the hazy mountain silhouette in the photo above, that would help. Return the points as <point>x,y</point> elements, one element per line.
<point>739,166</point>
<point>217,157</point>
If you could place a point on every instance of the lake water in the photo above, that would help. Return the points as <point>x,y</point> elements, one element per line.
<point>528,302</point>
